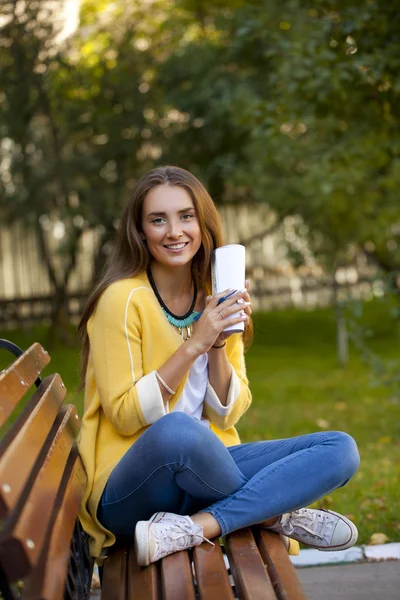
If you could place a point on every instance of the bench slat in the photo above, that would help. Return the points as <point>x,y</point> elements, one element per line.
<point>211,573</point>
<point>24,532</point>
<point>280,568</point>
<point>48,580</point>
<point>16,379</point>
<point>114,584</point>
<point>26,438</point>
<point>176,577</point>
<point>143,582</point>
<point>249,573</point>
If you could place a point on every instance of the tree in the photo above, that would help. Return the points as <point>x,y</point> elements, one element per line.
<point>73,129</point>
<point>299,109</point>
<point>36,180</point>
<point>283,103</point>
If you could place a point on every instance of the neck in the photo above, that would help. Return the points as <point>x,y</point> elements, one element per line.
<point>172,283</point>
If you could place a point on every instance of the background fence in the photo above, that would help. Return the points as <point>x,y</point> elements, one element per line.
<point>27,293</point>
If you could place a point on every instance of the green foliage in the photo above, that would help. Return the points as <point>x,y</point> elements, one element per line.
<point>365,327</point>
<point>299,108</point>
<point>289,104</point>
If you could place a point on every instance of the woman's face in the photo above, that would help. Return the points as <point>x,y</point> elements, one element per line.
<point>170,225</point>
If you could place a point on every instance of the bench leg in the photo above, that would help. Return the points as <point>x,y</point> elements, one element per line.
<point>4,587</point>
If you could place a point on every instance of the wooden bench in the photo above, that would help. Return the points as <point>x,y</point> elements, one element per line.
<point>253,564</point>
<point>43,551</point>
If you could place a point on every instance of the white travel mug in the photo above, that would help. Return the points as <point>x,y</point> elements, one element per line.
<point>228,272</point>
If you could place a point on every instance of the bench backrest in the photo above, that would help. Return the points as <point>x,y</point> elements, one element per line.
<point>41,480</point>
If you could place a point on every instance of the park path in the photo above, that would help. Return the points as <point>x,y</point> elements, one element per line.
<point>357,581</point>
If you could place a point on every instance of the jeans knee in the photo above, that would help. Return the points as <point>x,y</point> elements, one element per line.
<point>177,432</point>
<point>346,453</point>
<point>177,421</point>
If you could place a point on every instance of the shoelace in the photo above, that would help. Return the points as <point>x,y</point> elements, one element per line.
<point>289,522</point>
<point>177,532</point>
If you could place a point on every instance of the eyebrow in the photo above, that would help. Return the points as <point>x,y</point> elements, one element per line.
<point>162,214</point>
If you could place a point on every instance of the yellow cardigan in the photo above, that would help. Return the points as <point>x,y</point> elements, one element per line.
<point>130,338</point>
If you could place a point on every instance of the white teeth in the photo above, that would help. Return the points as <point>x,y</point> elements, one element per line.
<point>176,246</point>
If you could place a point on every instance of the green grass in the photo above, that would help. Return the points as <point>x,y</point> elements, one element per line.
<point>298,388</point>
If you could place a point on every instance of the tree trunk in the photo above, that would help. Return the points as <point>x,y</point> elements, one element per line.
<point>342,338</point>
<point>101,256</point>
<point>60,325</point>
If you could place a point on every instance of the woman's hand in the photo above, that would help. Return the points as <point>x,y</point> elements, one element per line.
<point>215,318</point>
<point>245,306</point>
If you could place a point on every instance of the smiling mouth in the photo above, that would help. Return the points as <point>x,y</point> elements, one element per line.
<point>179,246</point>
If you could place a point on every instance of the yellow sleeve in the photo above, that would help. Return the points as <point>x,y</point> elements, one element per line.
<point>130,399</point>
<point>239,395</point>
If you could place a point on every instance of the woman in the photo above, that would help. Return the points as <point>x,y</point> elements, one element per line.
<point>165,387</point>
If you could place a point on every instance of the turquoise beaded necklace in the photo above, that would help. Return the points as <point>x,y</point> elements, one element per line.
<point>184,323</point>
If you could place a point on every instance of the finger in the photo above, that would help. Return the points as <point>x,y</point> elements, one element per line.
<point>245,300</point>
<point>215,298</point>
<point>236,297</point>
<point>235,320</point>
<point>246,295</point>
<point>240,304</point>
<point>228,311</point>
<point>247,284</point>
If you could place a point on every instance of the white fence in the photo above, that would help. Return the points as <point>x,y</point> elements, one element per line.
<point>25,283</point>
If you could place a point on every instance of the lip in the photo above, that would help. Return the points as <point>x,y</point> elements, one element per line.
<point>177,250</point>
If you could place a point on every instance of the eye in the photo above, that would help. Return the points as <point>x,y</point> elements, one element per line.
<point>157,220</point>
<point>187,216</point>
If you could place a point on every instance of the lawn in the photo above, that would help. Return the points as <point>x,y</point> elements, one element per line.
<point>298,388</point>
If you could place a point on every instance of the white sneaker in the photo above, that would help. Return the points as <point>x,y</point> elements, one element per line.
<point>321,529</point>
<point>163,516</point>
<point>163,534</point>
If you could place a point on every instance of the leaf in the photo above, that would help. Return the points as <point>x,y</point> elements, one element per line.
<point>341,406</point>
<point>378,538</point>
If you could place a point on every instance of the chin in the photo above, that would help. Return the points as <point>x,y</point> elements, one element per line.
<point>176,261</point>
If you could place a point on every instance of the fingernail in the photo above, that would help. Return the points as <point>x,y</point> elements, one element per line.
<point>244,290</point>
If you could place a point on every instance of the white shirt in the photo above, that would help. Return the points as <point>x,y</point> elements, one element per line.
<point>192,398</point>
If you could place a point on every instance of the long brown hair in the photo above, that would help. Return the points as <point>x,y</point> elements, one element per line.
<point>131,257</point>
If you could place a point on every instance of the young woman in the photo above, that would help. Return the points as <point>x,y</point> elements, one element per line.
<point>165,386</point>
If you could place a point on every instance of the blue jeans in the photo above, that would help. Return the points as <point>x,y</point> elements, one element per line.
<point>179,465</point>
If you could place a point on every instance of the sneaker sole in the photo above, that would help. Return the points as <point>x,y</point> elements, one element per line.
<point>352,540</point>
<point>142,543</point>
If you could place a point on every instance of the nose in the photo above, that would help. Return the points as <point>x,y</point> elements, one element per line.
<point>174,230</point>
